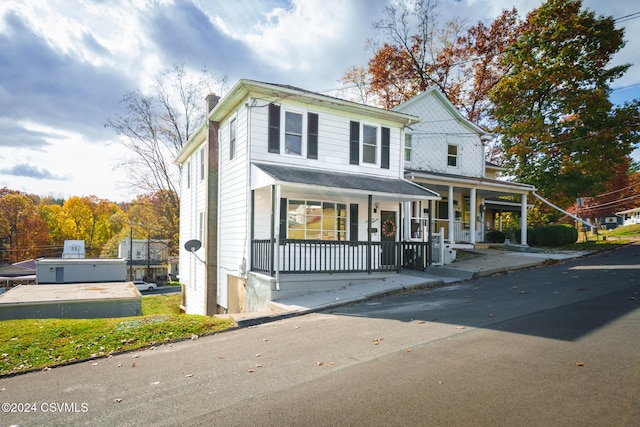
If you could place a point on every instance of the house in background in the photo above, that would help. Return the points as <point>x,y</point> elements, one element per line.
<point>79,270</point>
<point>23,272</point>
<point>147,259</point>
<point>73,249</point>
<point>286,192</point>
<point>445,152</point>
<point>629,216</point>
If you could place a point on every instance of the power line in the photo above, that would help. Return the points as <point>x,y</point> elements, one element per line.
<point>629,17</point>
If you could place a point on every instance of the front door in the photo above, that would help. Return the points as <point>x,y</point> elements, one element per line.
<point>388,230</point>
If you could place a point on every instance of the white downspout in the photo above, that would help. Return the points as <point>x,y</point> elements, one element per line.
<point>451,215</point>
<point>523,220</point>
<point>276,219</point>
<point>473,219</point>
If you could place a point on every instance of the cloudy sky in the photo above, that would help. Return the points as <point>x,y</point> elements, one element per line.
<point>65,64</point>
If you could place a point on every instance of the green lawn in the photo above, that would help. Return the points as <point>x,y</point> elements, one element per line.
<point>627,230</point>
<point>30,344</point>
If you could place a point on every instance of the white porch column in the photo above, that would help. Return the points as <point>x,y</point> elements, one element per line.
<point>451,216</point>
<point>523,220</point>
<point>473,217</point>
<point>276,227</point>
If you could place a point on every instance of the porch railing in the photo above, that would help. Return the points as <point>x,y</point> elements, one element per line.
<point>322,256</point>
<point>461,230</point>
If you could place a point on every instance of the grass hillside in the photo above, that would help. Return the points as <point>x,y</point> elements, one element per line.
<point>29,344</point>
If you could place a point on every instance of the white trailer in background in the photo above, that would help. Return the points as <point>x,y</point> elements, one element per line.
<point>86,270</point>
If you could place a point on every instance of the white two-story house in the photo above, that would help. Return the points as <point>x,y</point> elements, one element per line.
<point>286,192</point>
<point>445,152</point>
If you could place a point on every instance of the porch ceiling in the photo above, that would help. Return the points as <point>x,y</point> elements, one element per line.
<point>325,182</point>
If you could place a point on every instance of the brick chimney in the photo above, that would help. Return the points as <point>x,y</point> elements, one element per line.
<point>212,203</point>
<point>212,100</point>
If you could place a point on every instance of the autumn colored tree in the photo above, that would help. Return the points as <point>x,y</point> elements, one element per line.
<point>23,234</point>
<point>413,55</point>
<point>558,128</point>
<point>417,53</point>
<point>479,55</point>
<point>620,193</point>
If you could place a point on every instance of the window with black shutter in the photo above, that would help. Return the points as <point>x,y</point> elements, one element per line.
<point>386,137</point>
<point>353,222</point>
<point>354,143</point>
<point>274,128</point>
<point>312,136</point>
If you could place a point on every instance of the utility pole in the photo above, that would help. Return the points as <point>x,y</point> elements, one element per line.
<point>131,253</point>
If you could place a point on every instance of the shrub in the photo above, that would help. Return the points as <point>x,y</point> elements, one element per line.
<point>550,235</point>
<point>495,236</point>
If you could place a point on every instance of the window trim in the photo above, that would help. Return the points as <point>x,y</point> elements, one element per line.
<point>376,127</point>
<point>310,131</point>
<point>284,133</point>
<point>455,157</point>
<point>408,148</point>
<point>342,223</point>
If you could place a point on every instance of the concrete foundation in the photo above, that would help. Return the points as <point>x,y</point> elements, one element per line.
<point>73,301</point>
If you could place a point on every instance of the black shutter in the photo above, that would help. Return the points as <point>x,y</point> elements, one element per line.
<point>353,222</point>
<point>274,128</point>
<point>386,137</point>
<point>283,219</point>
<point>312,136</point>
<point>354,143</point>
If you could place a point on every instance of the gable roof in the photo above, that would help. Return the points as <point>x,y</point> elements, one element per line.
<point>273,92</point>
<point>444,101</point>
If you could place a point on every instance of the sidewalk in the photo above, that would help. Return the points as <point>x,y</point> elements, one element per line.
<point>485,263</point>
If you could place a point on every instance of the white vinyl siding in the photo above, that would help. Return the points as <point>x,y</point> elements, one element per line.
<point>333,142</point>
<point>431,137</point>
<point>192,203</point>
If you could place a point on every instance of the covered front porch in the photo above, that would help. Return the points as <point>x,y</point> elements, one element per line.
<point>471,207</point>
<point>313,222</point>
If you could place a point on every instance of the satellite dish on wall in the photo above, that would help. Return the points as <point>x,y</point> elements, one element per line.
<point>193,245</point>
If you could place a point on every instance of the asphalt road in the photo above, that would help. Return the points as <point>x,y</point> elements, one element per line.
<point>548,346</point>
<point>162,290</point>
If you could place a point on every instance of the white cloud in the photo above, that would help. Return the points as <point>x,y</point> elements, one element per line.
<point>66,64</point>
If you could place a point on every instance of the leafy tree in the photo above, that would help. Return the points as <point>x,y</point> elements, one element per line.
<point>53,217</point>
<point>413,55</point>
<point>621,192</point>
<point>418,53</point>
<point>157,124</point>
<point>23,233</point>
<point>78,219</point>
<point>479,54</point>
<point>559,130</point>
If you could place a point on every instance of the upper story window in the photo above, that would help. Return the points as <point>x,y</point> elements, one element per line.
<point>452,155</point>
<point>292,133</point>
<point>297,142</point>
<point>369,144</point>
<point>202,163</point>
<point>407,147</point>
<point>366,139</point>
<point>232,139</point>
